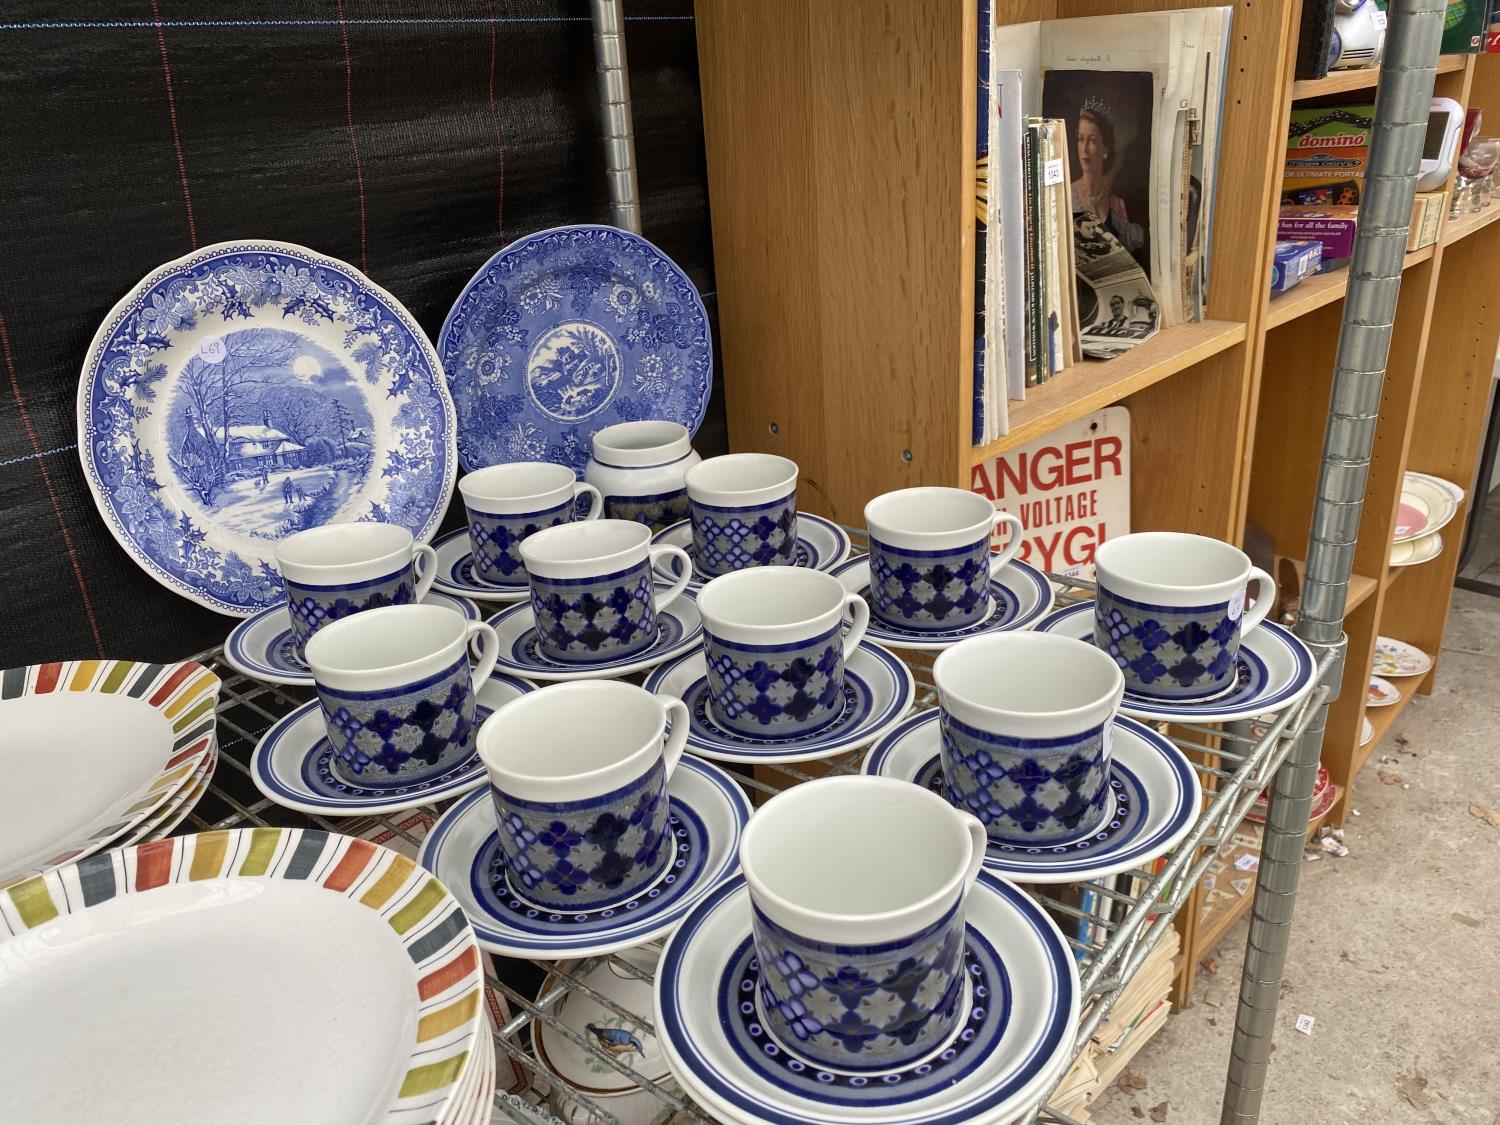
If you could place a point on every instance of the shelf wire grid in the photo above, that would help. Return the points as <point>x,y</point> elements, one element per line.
<point>1234,763</point>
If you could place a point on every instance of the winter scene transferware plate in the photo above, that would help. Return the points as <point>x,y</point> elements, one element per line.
<point>250,390</point>
<point>565,332</point>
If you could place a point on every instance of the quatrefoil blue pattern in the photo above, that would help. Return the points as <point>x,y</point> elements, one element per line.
<point>861,1008</point>
<point>776,691</point>
<point>496,540</point>
<point>591,620</point>
<point>1168,652</point>
<point>728,539</point>
<point>312,607</point>
<point>929,591</point>
<point>1026,791</point>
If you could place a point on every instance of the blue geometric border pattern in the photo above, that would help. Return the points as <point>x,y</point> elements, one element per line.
<point>199,507</point>
<point>567,331</point>
<point>927,1106</point>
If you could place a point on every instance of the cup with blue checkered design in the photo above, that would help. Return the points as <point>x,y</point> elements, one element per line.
<point>1026,722</point>
<point>506,503</point>
<point>339,569</point>
<point>857,892</point>
<point>744,512</point>
<point>592,591</point>
<point>578,777</point>
<point>776,639</point>
<point>1170,609</point>
<point>397,692</point>
<point>930,557</point>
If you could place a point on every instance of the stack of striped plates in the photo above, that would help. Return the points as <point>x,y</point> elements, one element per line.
<point>99,754</point>
<point>289,975</point>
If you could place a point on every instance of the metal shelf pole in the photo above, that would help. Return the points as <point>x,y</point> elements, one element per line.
<point>614,108</point>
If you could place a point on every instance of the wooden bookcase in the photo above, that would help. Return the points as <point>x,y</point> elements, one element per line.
<point>841,175</point>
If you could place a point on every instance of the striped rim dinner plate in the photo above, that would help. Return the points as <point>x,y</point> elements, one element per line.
<point>291,975</point>
<point>92,748</point>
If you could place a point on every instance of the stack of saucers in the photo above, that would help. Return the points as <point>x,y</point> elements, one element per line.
<point>100,754</point>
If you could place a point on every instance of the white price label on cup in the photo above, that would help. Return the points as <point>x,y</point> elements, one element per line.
<point>1237,604</point>
<point>1052,173</point>
<point>1109,737</point>
<point>211,349</point>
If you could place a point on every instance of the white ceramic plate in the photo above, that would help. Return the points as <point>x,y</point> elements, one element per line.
<point>1366,731</point>
<point>1395,659</point>
<point>1382,693</point>
<point>161,823</point>
<point>310,940</point>
<point>1410,552</point>
<point>91,748</point>
<point>1427,504</point>
<point>679,630</point>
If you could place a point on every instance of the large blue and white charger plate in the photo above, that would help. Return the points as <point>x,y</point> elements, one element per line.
<point>250,390</point>
<point>567,331</point>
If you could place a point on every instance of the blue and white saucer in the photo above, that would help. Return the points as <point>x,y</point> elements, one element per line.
<point>1275,670</point>
<point>878,690</point>
<point>1156,798</point>
<point>1017,1039</point>
<point>456,574</point>
<point>291,764</point>
<point>262,646</point>
<point>709,811</point>
<point>821,545</point>
<point>1019,595</point>
<point>679,630</point>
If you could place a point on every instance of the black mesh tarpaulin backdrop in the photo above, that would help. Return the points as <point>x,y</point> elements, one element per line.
<point>412,140</point>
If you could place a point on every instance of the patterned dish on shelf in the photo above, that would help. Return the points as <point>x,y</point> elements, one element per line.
<point>92,748</point>
<point>1395,659</point>
<point>1156,798</point>
<point>1382,693</point>
<point>821,545</point>
<point>567,331</point>
<point>336,411</point>
<point>679,630</point>
<point>1428,503</point>
<point>1366,731</point>
<point>1410,552</point>
<point>161,823</point>
<point>307,937</point>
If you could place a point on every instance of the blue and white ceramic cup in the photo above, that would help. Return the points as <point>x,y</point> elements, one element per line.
<point>340,569</point>
<point>639,468</point>
<point>397,691</point>
<point>592,591</point>
<point>744,512</point>
<point>857,888</point>
<point>1026,722</point>
<point>578,775</point>
<point>930,557</point>
<point>776,643</point>
<point>506,503</point>
<point>1170,609</point>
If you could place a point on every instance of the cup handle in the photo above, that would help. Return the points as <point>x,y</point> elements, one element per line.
<point>859,621</point>
<point>596,501</point>
<point>424,560</point>
<point>979,842</point>
<point>664,600</point>
<point>489,651</point>
<point>1017,537</point>
<point>679,716</point>
<point>1263,600</point>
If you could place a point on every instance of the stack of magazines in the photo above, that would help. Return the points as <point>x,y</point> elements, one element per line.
<point>1097,146</point>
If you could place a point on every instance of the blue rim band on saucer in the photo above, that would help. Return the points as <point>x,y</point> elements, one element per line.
<point>776,691</point>
<point>1169,653</point>
<point>495,540</point>
<point>567,331</point>
<point>929,591</point>
<point>597,619</point>
<point>311,607</point>
<point>727,538</point>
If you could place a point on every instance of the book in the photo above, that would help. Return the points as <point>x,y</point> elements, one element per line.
<point>1008,214</point>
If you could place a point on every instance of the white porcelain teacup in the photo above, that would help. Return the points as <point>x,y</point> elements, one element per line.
<point>578,775</point>
<point>775,644</point>
<point>930,557</point>
<point>1171,611</point>
<point>506,503</point>
<point>340,569</point>
<point>744,512</point>
<point>1027,720</point>
<point>857,888</point>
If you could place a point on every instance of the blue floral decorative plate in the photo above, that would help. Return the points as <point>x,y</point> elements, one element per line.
<point>1275,670</point>
<point>1156,798</point>
<point>565,332</point>
<point>1023,985</point>
<point>291,764</point>
<point>253,389</point>
<point>709,811</point>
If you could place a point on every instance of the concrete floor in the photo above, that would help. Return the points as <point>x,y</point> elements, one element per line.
<point>1396,948</point>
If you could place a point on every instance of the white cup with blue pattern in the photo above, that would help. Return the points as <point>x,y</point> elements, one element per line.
<point>857,889</point>
<point>398,693</point>
<point>930,557</point>
<point>1026,723</point>
<point>578,776</point>
<point>776,639</point>
<point>339,569</point>
<point>744,512</point>
<point>507,503</point>
<point>1170,609</point>
<point>592,591</point>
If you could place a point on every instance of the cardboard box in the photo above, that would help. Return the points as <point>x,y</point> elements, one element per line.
<point>1292,261</point>
<point>1426,219</point>
<point>1327,152</point>
<point>1334,227</point>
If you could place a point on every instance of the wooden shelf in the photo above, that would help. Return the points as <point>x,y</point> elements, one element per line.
<point>1325,288</point>
<point>1383,718</point>
<point>1467,223</point>
<point>1086,387</point>
<point>1361,586</point>
<point>1344,81</point>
